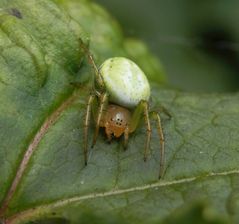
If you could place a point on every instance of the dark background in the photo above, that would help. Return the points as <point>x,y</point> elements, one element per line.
<point>196,41</point>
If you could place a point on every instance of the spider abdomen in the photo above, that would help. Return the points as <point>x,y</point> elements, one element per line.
<point>125,82</point>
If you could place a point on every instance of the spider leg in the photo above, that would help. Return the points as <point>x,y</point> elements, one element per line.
<point>108,133</point>
<point>103,104</point>
<point>126,137</point>
<point>156,116</point>
<point>86,125</point>
<point>165,111</point>
<point>142,108</point>
<point>98,76</point>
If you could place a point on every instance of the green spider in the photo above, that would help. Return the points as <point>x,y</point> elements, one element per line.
<point>119,98</point>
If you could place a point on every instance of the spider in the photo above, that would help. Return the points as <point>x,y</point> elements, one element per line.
<point>119,98</point>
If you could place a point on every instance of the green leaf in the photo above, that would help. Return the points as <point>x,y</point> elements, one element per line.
<point>43,176</point>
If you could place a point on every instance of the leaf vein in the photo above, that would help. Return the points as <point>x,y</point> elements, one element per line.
<point>24,215</point>
<point>49,121</point>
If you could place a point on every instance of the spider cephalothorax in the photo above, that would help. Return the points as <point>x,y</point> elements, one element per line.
<point>116,121</point>
<point>121,92</point>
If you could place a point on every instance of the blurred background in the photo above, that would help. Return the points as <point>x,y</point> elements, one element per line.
<point>196,41</point>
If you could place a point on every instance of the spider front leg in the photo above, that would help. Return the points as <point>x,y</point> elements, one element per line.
<point>92,107</point>
<point>126,137</point>
<point>156,116</point>
<point>90,103</point>
<point>104,98</point>
<point>143,108</point>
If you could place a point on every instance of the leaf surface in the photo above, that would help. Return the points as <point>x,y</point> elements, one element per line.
<point>43,176</point>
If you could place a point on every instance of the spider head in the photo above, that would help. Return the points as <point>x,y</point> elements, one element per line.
<point>116,120</point>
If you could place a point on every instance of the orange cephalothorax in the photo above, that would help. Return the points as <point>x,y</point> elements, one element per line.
<point>116,121</point>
